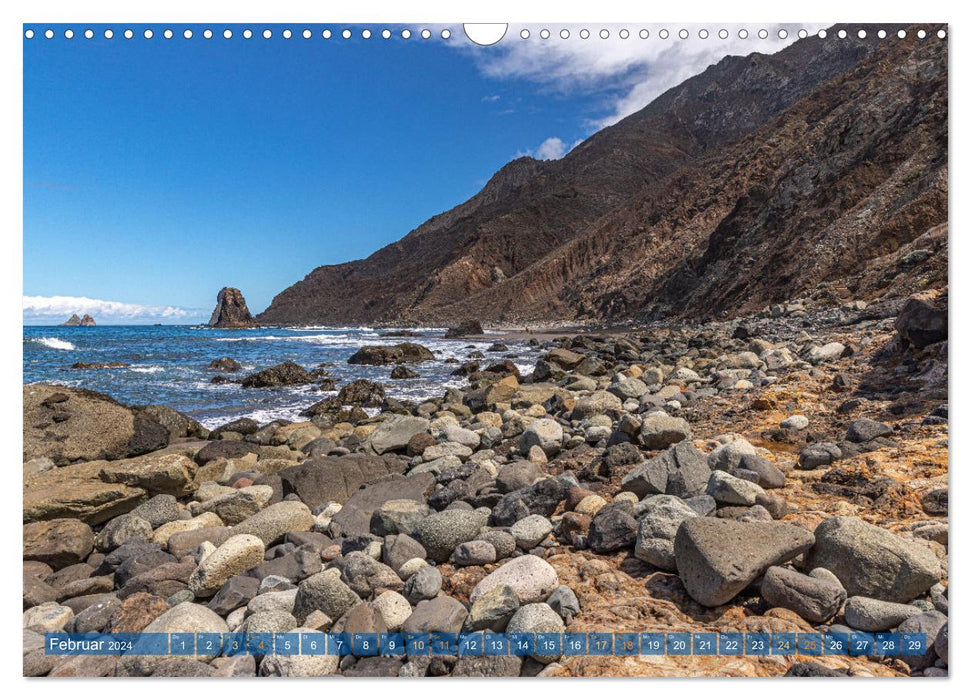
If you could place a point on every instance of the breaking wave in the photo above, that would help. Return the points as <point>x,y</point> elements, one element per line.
<point>54,343</point>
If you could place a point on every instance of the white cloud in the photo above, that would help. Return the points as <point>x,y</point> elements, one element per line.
<point>59,308</point>
<point>629,72</point>
<point>551,149</point>
<point>491,98</point>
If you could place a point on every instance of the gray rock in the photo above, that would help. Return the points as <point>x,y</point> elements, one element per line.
<point>518,475</point>
<point>530,531</point>
<point>795,422</point>
<point>232,557</point>
<point>564,602</point>
<point>728,456</point>
<point>158,510</point>
<point>532,579</point>
<point>399,549</point>
<point>826,353</point>
<point>940,644</point>
<point>269,621</point>
<point>235,593</point>
<point>819,454</point>
<point>865,429</point>
<point>930,624</point>
<point>47,617</point>
<point>366,575</point>
<point>544,433</point>
<point>596,403</point>
<point>424,584</point>
<point>399,516</point>
<point>492,610</point>
<point>730,490</point>
<point>870,561</point>
<point>718,558</point>
<point>273,522</point>
<point>627,388</point>
<point>504,543</point>
<point>659,431</point>
<point>612,528</point>
<point>813,599</point>
<point>233,508</point>
<point>660,518</point>
<point>440,533</point>
<point>441,614</point>
<point>325,592</point>
<point>395,433</point>
<point>680,471</point>
<point>122,529</point>
<point>872,615</point>
<point>474,553</point>
<point>537,617</point>
<point>769,475</point>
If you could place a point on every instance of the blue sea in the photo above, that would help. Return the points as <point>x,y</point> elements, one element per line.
<point>168,365</point>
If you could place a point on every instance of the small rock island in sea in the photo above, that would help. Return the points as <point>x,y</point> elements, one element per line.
<point>86,320</point>
<point>231,311</point>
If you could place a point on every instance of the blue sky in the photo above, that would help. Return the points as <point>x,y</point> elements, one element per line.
<point>158,171</point>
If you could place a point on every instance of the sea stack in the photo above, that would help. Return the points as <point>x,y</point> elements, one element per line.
<point>86,320</point>
<point>231,311</point>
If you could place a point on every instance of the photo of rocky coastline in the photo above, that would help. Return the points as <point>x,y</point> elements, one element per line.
<point>688,377</point>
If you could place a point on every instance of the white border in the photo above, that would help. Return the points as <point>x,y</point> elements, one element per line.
<point>440,11</point>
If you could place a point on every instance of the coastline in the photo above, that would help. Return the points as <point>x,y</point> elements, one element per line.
<point>550,475</point>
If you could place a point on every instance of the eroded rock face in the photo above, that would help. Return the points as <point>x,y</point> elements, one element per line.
<point>67,425</point>
<point>231,311</point>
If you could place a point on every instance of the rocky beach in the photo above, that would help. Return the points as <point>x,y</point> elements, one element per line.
<point>784,471</point>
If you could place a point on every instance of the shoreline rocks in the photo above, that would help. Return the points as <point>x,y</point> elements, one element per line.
<point>545,502</point>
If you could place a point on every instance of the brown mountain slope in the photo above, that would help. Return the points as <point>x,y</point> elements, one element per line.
<point>530,208</point>
<point>834,190</point>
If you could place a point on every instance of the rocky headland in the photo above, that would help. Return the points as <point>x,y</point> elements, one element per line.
<point>783,471</point>
<point>231,311</point>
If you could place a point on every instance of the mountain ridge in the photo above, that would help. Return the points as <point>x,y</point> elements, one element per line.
<point>529,244</point>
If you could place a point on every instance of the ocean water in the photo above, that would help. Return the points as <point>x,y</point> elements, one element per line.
<point>168,365</point>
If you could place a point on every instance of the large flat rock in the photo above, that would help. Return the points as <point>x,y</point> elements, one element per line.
<point>68,425</point>
<point>325,479</point>
<point>77,491</point>
<point>718,558</point>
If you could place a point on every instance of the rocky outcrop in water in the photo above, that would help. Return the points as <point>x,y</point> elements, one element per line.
<point>86,320</point>
<point>231,311</point>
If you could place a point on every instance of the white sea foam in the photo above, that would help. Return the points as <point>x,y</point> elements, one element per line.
<point>54,343</point>
<point>147,369</point>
